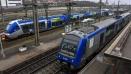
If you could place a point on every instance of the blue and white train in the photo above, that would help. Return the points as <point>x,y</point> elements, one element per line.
<point>20,27</point>
<point>79,45</point>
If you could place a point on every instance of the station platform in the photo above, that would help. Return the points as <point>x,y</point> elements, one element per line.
<point>118,55</point>
<point>120,49</point>
<point>22,57</point>
<point>126,51</point>
<point>96,67</point>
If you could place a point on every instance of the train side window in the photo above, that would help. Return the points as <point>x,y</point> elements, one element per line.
<point>42,25</point>
<point>109,30</point>
<point>27,28</point>
<point>61,22</point>
<point>54,24</point>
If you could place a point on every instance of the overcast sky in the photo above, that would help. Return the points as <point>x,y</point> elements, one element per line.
<point>112,1</point>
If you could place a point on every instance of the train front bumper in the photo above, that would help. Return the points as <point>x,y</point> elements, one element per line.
<point>72,61</point>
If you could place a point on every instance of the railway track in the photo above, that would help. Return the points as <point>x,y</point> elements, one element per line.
<point>34,64</point>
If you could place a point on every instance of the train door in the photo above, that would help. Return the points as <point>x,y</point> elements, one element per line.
<point>110,32</point>
<point>101,44</point>
<point>92,46</point>
<point>42,26</point>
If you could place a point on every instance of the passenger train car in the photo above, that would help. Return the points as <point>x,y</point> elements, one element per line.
<point>21,27</point>
<point>79,45</point>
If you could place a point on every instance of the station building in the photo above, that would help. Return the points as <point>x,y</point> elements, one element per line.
<point>11,3</point>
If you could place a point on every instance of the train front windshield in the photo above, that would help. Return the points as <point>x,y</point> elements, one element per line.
<point>69,47</point>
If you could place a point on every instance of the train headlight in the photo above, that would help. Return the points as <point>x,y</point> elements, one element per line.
<point>72,61</point>
<point>63,34</point>
<point>3,37</point>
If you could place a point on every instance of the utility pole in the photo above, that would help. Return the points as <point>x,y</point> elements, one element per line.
<point>118,6</point>
<point>25,8</point>
<point>46,10</point>
<point>35,19</point>
<point>100,6</point>
<point>2,14</point>
<point>129,5</point>
<point>69,4</point>
<point>106,3</point>
<point>46,13</point>
<point>6,3</point>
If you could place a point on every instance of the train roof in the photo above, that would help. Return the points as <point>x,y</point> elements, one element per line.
<point>76,33</point>
<point>41,19</point>
<point>88,20</point>
<point>105,23</point>
<point>82,31</point>
<point>87,30</point>
<point>125,14</point>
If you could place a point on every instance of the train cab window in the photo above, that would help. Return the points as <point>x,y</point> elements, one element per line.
<point>12,28</point>
<point>69,47</point>
<point>17,28</point>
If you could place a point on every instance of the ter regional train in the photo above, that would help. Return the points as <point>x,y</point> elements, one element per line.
<point>21,27</point>
<point>79,45</point>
